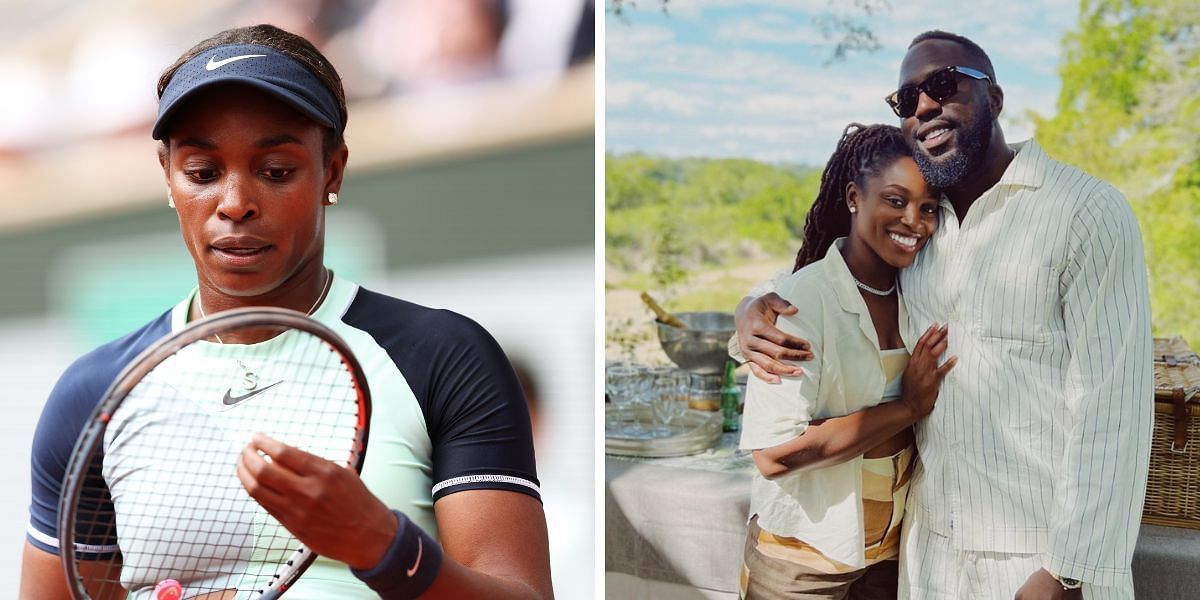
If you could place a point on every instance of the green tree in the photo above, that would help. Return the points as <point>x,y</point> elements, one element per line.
<point>1128,113</point>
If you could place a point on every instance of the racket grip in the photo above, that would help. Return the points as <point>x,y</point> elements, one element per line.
<point>168,589</point>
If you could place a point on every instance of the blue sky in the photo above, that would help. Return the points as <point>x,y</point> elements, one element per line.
<point>731,78</point>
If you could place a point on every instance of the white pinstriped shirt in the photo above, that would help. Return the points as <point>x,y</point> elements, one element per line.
<point>1040,439</point>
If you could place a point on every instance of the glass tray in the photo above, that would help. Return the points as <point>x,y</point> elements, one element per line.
<point>692,432</point>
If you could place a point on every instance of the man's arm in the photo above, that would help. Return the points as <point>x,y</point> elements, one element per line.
<point>1109,400</point>
<point>761,344</point>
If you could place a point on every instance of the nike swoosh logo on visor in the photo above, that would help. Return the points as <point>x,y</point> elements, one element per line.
<point>214,64</point>
<point>230,400</point>
<point>413,570</point>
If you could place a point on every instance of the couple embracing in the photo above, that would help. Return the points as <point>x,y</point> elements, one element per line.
<point>953,390</point>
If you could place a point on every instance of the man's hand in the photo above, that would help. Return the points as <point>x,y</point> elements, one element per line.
<point>1043,586</point>
<point>763,344</point>
<point>326,506</point>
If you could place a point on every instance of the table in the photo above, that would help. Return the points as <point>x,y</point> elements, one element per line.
<point>675,527</point>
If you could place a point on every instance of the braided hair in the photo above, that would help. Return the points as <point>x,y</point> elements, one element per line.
<point>863,152</point>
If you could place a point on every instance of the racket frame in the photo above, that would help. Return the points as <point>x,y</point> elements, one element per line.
<point>91,438</point>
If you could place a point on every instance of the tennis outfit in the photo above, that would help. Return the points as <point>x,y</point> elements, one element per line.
<point>441,387</point>
<point>1037,452</point>
<point>826,532</point>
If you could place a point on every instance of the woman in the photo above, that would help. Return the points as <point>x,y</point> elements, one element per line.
<point>251,125</point>
<point>833,445</point>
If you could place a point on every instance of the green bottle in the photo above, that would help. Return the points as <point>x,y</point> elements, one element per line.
<point>730,398</point>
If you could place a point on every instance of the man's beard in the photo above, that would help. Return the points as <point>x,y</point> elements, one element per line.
<point>966,159</point>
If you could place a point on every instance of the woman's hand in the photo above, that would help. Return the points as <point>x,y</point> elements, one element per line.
<point>326,506</point>
<point>923,377</point>
<point>763,344</point>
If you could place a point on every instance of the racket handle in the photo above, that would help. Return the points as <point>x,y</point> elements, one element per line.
<point>168,589</point>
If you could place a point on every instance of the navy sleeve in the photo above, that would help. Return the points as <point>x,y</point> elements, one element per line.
<point>67,410</point>
<point>474,407</point>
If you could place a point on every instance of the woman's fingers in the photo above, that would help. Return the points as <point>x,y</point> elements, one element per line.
<point>945,368</point>
<point>932,342</point>
<point>923,341</point>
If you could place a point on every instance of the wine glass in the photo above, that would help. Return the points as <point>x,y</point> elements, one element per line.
<point>669,399</point>
<point>620,380</point>
<point>644,397</point>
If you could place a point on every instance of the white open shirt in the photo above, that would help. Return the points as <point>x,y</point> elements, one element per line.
<point>823,507</point>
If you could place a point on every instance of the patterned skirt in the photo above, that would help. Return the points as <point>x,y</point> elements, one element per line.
<point>778,567</point>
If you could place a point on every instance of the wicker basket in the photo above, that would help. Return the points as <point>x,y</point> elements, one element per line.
<point>1173,487</point>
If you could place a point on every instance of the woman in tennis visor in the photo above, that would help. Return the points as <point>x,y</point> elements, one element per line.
<point>251,125</point>
<point>833,445</point>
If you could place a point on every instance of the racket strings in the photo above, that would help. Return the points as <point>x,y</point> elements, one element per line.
<point>162,499</point>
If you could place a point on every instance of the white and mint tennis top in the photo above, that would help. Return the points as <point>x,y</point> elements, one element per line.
<point>448,415</point>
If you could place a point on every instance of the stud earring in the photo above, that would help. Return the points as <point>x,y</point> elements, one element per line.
<point>170,199</point>
<point>853,209</point>
<point>332,197</point>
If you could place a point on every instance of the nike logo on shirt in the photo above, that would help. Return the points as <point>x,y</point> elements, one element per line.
<point>230,400</point>
<point>214,64</point>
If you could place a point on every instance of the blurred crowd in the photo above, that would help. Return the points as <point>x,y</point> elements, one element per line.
<point>74,70</point>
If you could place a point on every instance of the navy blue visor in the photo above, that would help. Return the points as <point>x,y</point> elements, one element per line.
<point>257,66</point>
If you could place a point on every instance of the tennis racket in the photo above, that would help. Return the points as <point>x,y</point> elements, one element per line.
<point>151,497</point>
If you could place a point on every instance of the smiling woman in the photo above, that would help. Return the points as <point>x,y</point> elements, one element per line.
<point>448,504</point>
<point>842,428</point>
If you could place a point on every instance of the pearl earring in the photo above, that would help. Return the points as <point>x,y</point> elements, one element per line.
<point>170,199</point>
<point>853,209</point>
<point>332,197</point>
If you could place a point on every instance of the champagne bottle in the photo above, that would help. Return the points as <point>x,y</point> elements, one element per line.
<point>663,316</point>
<point>730,398</point>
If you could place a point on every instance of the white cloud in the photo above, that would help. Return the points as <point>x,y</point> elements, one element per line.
<point>770,28</point>
<point>619,94</point>
<point>672,101</point>
<point>715,97</point>
<point>635,95</point>
<point>625,42</point>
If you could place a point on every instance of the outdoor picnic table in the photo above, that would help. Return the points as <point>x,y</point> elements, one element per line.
<point>675,528</point>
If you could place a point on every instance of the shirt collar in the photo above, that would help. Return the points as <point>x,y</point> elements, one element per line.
<point>1028,167</point>
<point>841,279</point>
<point>850,299</point>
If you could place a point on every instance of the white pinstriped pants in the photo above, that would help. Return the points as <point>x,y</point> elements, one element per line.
<point>931,569</point>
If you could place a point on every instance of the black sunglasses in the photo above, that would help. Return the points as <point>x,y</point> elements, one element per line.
<point>939,86</point>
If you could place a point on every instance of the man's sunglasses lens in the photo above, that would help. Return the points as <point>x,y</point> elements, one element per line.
<point>939,86</point>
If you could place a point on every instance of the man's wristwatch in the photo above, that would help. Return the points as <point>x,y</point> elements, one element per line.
<point>1067,583</point>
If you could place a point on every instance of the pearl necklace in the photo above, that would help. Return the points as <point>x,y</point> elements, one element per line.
<point>870,290</point>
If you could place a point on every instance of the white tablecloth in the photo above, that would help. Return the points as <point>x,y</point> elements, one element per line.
<point>675,527</point>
